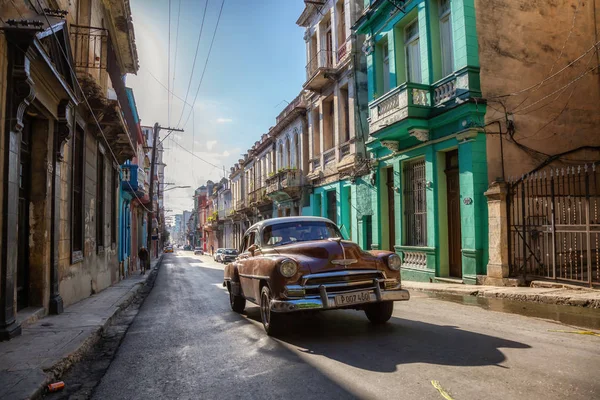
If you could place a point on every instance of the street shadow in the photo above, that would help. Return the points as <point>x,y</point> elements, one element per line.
<point>348,337</point>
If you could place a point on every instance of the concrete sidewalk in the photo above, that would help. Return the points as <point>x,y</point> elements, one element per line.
<point>540,292</point>
<point>50,345</point>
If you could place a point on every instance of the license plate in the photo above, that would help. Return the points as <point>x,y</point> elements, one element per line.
<point>352,298</point>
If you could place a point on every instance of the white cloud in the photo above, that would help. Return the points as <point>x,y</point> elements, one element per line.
<point>226,153</point>
<point>210,144</point>
<point>224,120</point>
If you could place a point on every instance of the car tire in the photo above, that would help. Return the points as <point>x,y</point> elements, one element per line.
<point>271,320</point>
<point>380,313</point>
<point>238,303</point>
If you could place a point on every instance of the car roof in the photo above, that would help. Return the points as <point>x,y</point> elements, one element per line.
<point>282,220</point>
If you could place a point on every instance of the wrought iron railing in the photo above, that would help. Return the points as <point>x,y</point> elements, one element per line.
<point>90,45</point>
<point>343,51</point>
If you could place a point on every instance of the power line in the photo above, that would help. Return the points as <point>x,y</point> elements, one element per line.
<point>74,74</point>
<point>194,62</point>
<point>198,157</point>
<point>539,84</point>
<point>207,59</point>
<point>169,69</point>
<point>176,45</point>
<point>558,90</point>
<point>166,88</point>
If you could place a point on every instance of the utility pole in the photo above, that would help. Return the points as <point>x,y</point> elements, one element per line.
<point>157,129</point>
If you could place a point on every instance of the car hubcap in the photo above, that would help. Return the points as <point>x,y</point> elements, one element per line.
<point>265,309</point>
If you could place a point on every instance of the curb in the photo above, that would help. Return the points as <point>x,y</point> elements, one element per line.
<point>63,365</point>
<point>557,299</point>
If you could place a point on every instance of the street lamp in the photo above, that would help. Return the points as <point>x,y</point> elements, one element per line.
<point>177,187</point>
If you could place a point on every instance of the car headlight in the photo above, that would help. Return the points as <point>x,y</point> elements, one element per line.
<point>288,268</point>
<point>394,262</point>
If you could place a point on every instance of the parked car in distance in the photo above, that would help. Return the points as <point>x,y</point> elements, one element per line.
<point>187,247</point>
<point>292,264</point>
<point>217,253</point>
<point>169,249</point>
<point>227,255</point>
<point>198,251</point>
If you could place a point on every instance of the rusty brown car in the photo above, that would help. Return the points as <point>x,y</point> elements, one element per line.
<point>294,264</point>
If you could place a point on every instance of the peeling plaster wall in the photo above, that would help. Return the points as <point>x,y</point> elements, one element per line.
<point>98,270</point>
<point>519,43</point>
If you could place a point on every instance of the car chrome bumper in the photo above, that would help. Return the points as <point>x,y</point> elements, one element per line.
<point>326,301</point>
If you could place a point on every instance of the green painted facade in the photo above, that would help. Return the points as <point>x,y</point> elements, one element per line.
<point>439,114</point>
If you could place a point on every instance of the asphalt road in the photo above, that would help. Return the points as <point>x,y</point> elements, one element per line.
<point>186,343</point>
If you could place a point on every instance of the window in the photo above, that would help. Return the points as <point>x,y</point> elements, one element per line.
<point>345,128</point>
<point>113,207</point>
<point>100,202</point>
<point>288,151</point>
<point>77,176</point>
<point>302,231</point>
<point>413,52</point>
<point>415,198</point>
<point>316,128</point>
<point>447,55</point>
<point>386,66</point>
<point>297,151</point>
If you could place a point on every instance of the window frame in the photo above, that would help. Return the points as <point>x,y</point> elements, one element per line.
<point>113,206</point>
<point>445,15</point>
<point>413,215</point>
<point>408,41</point>
<point>77,197</point>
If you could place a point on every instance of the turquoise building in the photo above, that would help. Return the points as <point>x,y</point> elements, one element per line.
<point>424,196</point>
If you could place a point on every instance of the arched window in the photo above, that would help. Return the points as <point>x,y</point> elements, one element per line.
<point>288,150</point>
<point>297,151</point>
<point>280,166</point>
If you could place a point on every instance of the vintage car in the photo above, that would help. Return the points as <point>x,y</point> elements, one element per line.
<point>296,264</point>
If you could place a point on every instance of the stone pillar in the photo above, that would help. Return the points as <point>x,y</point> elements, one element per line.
<point>497,267</point>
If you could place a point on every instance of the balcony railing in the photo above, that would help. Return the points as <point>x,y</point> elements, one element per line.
<point>328,156</point>
<point>297,102</point>
<point>90,46</point>
<point>283,180</point>
<point>395,105</point>
<point>322,60</point>
<point>133,179</point>
<point>343,51</point>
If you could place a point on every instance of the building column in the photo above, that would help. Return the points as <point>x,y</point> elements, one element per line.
<point>20,92</point>
<point>497,267</point>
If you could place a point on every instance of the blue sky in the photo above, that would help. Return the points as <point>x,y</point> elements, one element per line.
<point>257,61</point>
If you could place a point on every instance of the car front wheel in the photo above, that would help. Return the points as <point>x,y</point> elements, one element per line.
<point>380,313</point>
<point>271,320</point>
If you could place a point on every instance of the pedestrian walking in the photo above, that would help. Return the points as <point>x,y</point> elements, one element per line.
<point>212,250</point>
<point>144,259</point>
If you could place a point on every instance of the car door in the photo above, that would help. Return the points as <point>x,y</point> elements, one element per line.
<point>245,267</point>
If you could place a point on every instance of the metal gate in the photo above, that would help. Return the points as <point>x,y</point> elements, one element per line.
<point>554,221</point>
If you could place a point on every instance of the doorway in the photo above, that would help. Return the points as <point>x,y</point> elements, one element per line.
<point>23,217</point>
<point>332,206</point>
<point>453,204</point>
<point>389,182</point>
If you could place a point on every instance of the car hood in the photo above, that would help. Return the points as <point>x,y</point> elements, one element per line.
<point>329,255</point>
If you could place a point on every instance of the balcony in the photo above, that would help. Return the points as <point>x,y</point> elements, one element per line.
<point>319,70</point>
<point>413,100</point>
<point>101,80</point>
<point>259,198</point>
<point>285,184</point>
<point>133,180</point>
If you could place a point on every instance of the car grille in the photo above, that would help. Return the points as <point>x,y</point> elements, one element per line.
<point>342,281</point>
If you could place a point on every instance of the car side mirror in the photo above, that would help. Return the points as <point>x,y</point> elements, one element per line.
<point>252,249</point>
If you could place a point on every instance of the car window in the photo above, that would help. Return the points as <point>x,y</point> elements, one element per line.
<point>290,232</point>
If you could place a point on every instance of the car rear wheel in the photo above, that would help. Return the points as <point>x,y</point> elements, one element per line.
<point>238,303</point>
<point>271,320</point>
<point>380,313</point>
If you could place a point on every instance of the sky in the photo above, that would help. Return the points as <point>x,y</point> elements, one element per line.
<point>257,63</point>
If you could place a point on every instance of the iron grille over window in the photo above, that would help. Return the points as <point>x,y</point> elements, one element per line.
<point>415,197</point>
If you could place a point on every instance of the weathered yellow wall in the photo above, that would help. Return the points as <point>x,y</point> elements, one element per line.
<point>520,44</point>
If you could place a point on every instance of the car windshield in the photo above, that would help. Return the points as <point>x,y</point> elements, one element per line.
<point>300,231</point>
<point>219,250</point>
<point>230,252</point>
